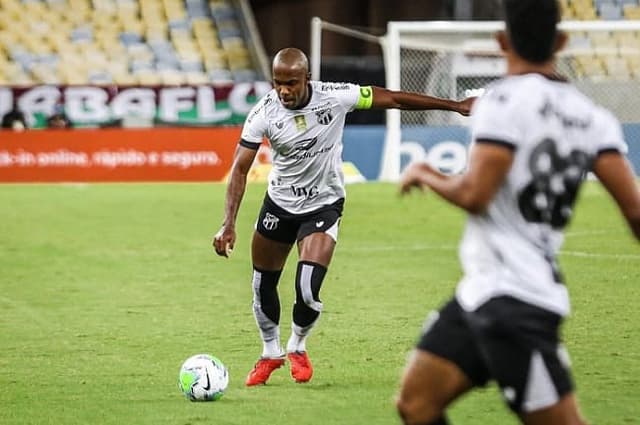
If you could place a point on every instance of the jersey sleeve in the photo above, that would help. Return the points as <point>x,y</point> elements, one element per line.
<point>347,94</point>
<point>255,126</point>
<point>494,119</point>
<point>610,136</point>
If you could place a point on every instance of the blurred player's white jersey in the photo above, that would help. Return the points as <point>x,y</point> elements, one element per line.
<point>555,133</point>
<point>306,144</point>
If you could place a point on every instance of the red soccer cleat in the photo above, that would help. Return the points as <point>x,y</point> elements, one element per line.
<point>301,369</point>
<point>262,371</point>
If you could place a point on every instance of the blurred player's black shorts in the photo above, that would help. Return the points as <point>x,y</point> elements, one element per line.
<point>506,340</point>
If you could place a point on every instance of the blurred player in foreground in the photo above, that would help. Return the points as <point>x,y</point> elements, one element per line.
<point>303,121</point>
<point>534,138</point>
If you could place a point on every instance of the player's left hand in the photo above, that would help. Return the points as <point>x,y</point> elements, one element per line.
<point>413,177</point>
<point>466,105</point>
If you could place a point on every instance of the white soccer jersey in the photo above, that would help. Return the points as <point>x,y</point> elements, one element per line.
<point>306,144</point>
<point>556,132</point>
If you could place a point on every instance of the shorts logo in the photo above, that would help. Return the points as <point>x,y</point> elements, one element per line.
<point>324,116</point>
<point>279,125</point>
<point>319,224</point>
<point>270,221</point>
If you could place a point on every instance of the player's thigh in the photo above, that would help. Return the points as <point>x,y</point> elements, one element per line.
<point>446,364</point>
<point>429,384</point>
<point>565,412</point>
<point>275,233</point>
<point>318,234</point>
<point>268,254</point>
<point>317,248</point>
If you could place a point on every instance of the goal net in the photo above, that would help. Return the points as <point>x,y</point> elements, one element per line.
<point>456,59</point>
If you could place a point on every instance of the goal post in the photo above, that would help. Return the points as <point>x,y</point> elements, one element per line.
<point>457,59</point>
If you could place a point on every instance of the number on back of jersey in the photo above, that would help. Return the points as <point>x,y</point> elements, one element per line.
<point>556,179</point>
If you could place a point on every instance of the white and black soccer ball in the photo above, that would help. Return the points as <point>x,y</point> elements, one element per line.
<point>203,378</point>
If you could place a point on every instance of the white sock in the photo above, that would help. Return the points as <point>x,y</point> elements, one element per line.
<point>297,342</point>
<point>272,349</point>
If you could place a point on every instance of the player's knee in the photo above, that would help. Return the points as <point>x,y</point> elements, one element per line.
<point>265,294</point>
<point>308,283</point>
<point>418,411</point>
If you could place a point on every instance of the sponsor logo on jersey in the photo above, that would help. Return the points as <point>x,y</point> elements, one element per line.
<point>548,110</point>
<point>302,145</point>
<point>270,221</point>
<point>305,192</point>
<point>267,100</point>
<point>302,149</point>
<point>330,87</point>
<point>324,116</point>
<point>323,105</point>
<point>255,113</point>
<point>301,122</point>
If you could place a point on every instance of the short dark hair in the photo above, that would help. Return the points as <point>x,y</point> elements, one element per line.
<point>532,27</point>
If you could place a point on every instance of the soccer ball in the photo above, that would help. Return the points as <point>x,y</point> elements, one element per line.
<point>203,378</point>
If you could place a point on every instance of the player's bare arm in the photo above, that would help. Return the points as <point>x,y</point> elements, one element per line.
<point>616,175</point>
<point>224,240</point>
<point>472,190</point>
<point>386,99</point>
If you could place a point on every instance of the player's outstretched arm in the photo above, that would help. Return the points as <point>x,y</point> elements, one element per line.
<point>225,239</point>
<point>388,99</point>
<point>472,191</point>
<point>614,172</point>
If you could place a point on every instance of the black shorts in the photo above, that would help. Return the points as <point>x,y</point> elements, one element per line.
<point>506,340</point>
<point>280,225</point>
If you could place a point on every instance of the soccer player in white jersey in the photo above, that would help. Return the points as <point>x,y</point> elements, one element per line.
<point>534,138</point>
<point>303,121</point>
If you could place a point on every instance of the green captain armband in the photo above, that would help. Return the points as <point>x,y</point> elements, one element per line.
<point>365,99</point>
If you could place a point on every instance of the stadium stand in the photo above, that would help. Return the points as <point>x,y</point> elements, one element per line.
<point>174,42</point>
<point>124,42</point>
<point>608,56</point>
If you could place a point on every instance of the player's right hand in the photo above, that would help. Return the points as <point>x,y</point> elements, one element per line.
<point>223,241</point>
<point>466,105</point>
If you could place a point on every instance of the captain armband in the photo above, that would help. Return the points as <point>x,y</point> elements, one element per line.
<point>365,98</point>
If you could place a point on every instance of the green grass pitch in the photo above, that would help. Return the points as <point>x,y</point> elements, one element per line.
<point>106,289</point>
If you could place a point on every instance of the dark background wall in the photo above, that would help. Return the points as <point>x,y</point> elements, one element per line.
<point>287,23</point>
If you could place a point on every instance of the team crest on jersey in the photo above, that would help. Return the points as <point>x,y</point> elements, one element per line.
<point>301,122</point>
<point>270,221</point>
<point>324,116</point>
